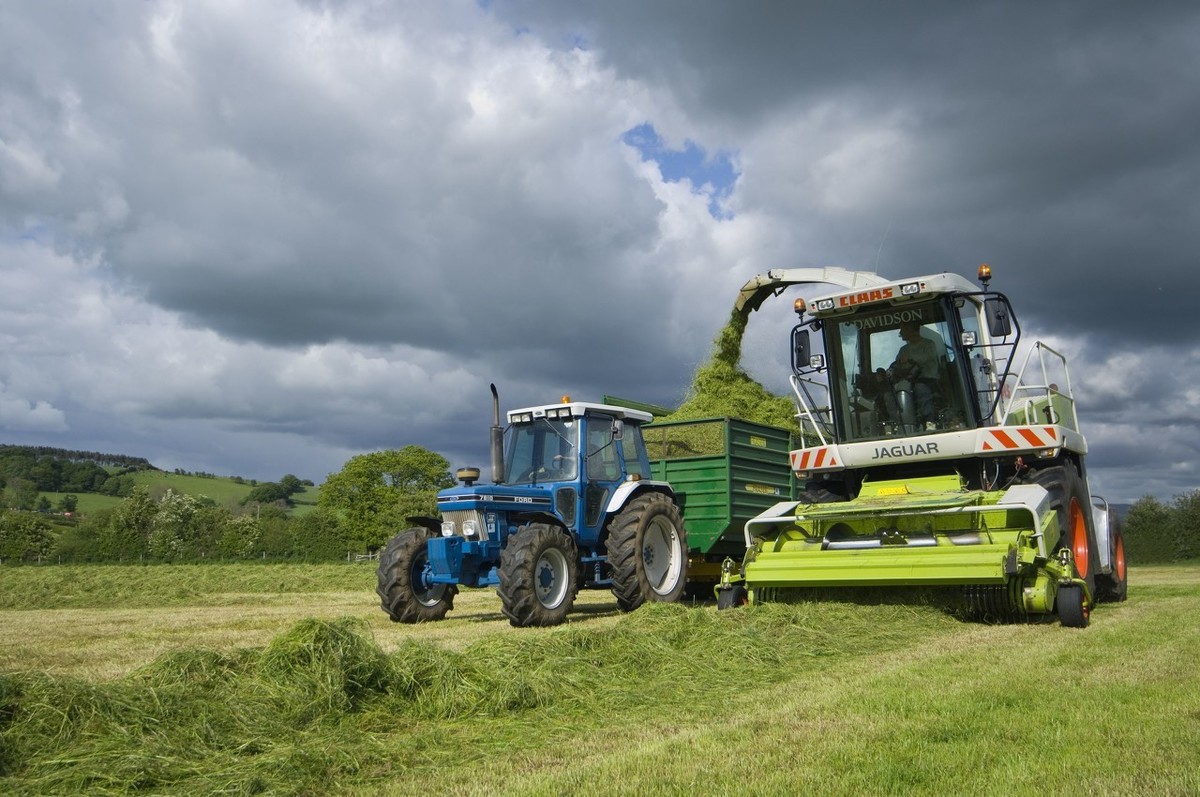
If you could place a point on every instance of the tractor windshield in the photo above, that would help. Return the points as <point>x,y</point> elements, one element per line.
<point>543,450</point>
<point>895,372</point>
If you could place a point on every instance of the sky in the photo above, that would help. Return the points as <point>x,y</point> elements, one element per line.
<point>260,238</point>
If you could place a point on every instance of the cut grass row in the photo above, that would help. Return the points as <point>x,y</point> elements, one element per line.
<point>830,698</point>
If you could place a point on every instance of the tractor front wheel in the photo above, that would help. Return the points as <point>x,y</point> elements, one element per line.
<point>539,573</point>
<point>647,552</point>
<point>403,586</point>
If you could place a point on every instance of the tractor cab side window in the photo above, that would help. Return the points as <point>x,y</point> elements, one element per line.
<point>602,451</point>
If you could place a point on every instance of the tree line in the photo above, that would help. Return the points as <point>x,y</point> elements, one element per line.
<point>1160,532</point>
<point>26,470</point>
<point>360,508</point>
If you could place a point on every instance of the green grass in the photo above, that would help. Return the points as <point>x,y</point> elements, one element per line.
<point>828,698</point>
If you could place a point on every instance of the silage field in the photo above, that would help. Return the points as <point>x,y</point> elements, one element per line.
<point>287,679</point>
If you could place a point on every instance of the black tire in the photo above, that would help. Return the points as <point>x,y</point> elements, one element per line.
<point>647,552</point>
<point>1114,586</point>
<point>1070,500</point>
<point>1073,610</point>
<point>401,588</point>
<point>732,598</point>
<point>539,572</point>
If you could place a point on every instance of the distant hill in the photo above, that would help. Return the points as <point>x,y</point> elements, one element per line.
<point>101,480</point>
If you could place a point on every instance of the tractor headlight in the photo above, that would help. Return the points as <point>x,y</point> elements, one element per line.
<point>448,528</point>
<point>470,528</point>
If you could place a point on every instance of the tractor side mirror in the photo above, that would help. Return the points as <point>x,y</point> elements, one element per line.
<point>998,318</point>
<point>618,429</point>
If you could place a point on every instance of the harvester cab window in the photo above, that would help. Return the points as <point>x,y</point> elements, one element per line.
<point>897,373</point>
<point>543,450</point>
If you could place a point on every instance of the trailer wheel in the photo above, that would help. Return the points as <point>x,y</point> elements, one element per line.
<point>647,551</point>
<point>539,574</point>
<point>1069,499</point>
<point>732,598</point>
<point>1073,610</point>
<point>403,590</point>
<point>1114,586</point>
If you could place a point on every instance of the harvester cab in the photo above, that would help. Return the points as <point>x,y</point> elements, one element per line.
<point>572,504</point>
<point>936,451</point>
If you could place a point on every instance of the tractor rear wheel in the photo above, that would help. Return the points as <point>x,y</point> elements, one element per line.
<point>403,587</point>
<point>1070,500</point>
<point>1073,610</point>
<point>647,552</point>
<point>1114,586</point>
<point>539,573</point>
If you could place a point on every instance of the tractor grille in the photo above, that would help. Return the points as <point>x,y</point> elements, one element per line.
<point>457,517</point>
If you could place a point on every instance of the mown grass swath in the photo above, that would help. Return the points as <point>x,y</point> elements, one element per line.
<point>828,697</point>
<point>321,703</point>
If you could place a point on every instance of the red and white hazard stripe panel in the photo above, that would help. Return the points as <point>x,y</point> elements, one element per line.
<point>823,458</point>
<point>1019,438</point>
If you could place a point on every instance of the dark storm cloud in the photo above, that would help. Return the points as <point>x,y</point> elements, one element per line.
<point>280,228</point>
<point>1055,140</point>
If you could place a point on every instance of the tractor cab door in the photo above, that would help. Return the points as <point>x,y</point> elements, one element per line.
<point>602,466</point>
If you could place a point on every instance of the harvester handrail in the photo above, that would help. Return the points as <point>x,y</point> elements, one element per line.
<point>818,417</point>
<point>1046,389</point>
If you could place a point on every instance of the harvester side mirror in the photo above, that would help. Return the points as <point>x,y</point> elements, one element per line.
<point>801,349</point>
<point>998,318</point>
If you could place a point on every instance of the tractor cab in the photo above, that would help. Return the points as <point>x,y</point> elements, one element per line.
<point>578,452</point>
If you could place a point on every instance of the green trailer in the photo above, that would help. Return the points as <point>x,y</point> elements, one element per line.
<point>724,471</point>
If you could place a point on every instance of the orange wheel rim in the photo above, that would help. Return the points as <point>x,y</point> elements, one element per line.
<point>1079,540</point>
<point>1119,562</point>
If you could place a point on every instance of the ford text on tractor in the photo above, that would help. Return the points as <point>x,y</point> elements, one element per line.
<point>572,504</point>
<point>937,451</point>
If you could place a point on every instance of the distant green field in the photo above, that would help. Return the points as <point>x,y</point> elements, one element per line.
<point>223,490</point>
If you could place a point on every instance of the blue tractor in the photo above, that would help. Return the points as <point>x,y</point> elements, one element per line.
<point>572,505</point>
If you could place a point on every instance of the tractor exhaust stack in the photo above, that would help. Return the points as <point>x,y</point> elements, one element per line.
<point>497,441</point>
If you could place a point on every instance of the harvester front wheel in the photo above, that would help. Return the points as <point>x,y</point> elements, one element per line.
<point>1069,499</point>
<point>732,597</point>
<point>647,552</point>
<point>403,587</point>
<point>1073,610</point>
<point>538,576</point>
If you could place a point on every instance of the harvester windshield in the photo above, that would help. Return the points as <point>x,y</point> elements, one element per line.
<point>896,371</point>
<point>543,450</point>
